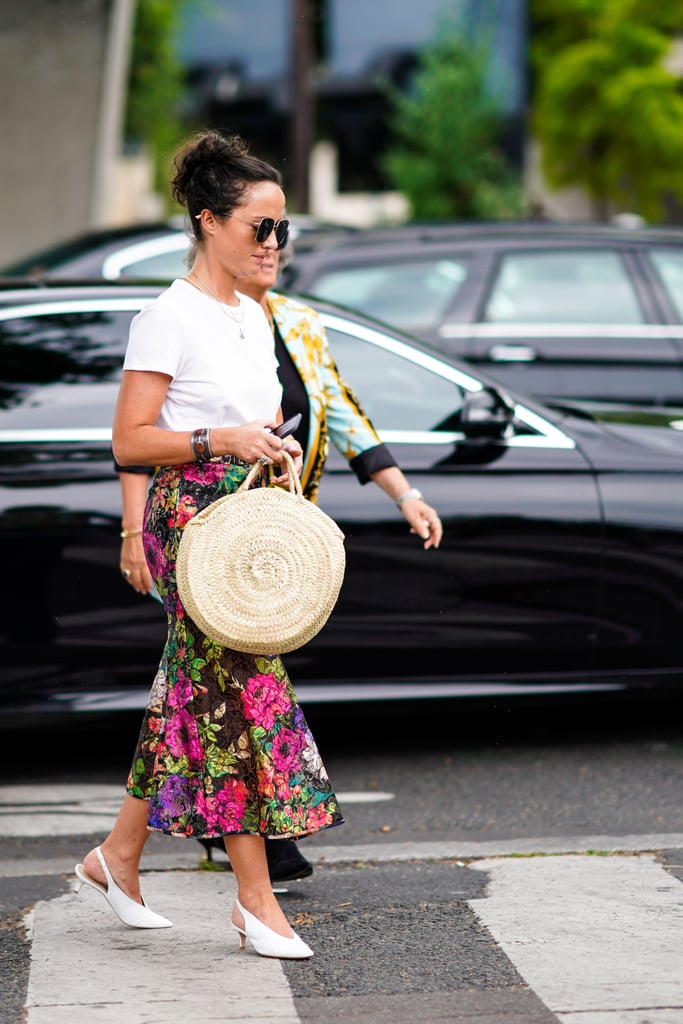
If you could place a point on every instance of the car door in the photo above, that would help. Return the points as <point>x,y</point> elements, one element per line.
<point>60,506</point>
<point>662,268</point>
<point>412,288</point>
<point>512,595</point>
<point>574,322</point>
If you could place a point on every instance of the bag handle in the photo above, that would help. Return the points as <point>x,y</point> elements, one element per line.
<point>294,482</point>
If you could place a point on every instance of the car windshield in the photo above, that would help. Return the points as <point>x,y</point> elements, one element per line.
<point>61,369</point>
<point>669,266</point>
<point>412,295</point>
<point>577,286</point>
<point>164,266</point>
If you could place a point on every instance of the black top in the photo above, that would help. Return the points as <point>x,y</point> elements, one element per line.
<point>294,397</point>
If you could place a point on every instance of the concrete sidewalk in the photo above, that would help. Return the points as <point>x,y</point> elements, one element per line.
<point>88,968</point>
<point>620,914</point>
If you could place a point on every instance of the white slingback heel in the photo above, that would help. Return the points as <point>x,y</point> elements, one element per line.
<point>135,915</point>
<point>266,942</point>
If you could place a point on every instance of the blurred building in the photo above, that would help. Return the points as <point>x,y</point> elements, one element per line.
<point>63,72</point>
<point>241,68</point>
<point>63,75</point>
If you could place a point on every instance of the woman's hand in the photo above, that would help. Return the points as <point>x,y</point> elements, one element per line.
<point>423,521</point>
<point>133,565</point>
<point>421,517</point>
<point>251,442</point>
<point>293,448</point>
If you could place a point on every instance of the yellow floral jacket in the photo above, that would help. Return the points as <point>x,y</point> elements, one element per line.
<point>335,412</point>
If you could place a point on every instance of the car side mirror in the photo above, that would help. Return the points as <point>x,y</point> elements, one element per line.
<point>486,415</point>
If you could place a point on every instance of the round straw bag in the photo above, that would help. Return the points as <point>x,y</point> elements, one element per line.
<point>260,570</point>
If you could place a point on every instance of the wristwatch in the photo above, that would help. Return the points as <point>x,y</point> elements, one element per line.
<point>412,493</point>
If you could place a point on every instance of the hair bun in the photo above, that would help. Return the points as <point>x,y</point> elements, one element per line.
<point>213,172</point>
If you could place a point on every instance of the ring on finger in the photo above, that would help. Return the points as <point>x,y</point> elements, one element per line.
<point>125,573</point>
<point>265,460</point>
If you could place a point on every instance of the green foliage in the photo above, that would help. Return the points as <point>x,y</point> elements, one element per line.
<point>608,115</point>
<point>445,158</point>
<point>156,85</point>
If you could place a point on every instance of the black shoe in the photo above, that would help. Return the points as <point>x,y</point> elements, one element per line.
<point>285,862</point>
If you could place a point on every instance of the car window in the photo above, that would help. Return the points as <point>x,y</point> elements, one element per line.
<point>165,266</point>
<point>669,266</point>
<point>578,286</point>
<point>61,370</point>
<point>411,295</point>
<point>396,393</point>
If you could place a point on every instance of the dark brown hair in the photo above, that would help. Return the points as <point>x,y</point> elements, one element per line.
<point>213,172</point>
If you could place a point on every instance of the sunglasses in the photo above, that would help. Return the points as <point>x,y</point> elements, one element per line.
<point>264,229</point>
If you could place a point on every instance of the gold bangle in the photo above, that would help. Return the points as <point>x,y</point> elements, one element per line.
<point>125,534</point>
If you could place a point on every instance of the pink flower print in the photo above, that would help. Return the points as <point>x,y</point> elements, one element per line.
<point>299,818</point>
<point>187,508</point>
<point>318,817</point>
<point>263,699</point>
<point>181,737</point>
<point>180,694</point>
<point>283,788</point>
<point>286,750</point>
<point>229,806</point>
<point>204,472</point>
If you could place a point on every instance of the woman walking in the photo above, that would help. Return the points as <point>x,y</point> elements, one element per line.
<point>224,748</point>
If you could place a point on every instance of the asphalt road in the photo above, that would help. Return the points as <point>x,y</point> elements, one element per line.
<point>408,920</point>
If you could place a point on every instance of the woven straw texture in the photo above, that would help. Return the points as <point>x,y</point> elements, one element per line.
<point>260,570</point>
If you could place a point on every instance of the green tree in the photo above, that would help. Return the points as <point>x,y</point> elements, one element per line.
<point>445,158</point>
<point>607,113</point>
<point>156,87</point>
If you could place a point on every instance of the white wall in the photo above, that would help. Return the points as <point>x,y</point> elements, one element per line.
<point>62,74</point>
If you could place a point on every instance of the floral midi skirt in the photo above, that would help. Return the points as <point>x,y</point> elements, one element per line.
<point>224,746</point>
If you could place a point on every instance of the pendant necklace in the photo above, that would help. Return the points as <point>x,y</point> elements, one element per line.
<point>234,313</point>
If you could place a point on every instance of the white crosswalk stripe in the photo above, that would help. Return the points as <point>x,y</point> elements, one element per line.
<point>598,939</point>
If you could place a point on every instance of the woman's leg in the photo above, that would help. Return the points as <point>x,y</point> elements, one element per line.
<point>248,858</point>
<point>122,849</point>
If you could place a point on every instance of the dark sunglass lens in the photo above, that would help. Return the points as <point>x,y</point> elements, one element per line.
<point>264,229</point>
<point>282,233</point>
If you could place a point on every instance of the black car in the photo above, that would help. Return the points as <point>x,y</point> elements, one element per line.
<point>142,252</point>
<point>561,569</point>
<point>554,310</point>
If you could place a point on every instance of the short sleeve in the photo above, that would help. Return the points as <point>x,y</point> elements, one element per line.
<point>155,342</point>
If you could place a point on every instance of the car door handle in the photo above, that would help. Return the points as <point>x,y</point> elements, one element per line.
<point>512,354</point>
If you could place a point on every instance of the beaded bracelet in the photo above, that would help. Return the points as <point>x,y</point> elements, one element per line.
<point>411,493</point>
<point>201,444</point>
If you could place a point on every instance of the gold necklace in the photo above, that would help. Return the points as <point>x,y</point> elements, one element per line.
<point>236,316</point>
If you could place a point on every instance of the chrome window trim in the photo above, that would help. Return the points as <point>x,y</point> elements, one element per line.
<point>113,305</point>
<point>376,337</point>
<point>420,436</point>
<point>560,330</point>
<point>548,435</point>
<point>554,439</point>
<point>117,261</point>
<point>64,435</point>
<point>98,435</point>
<point>67,435</point>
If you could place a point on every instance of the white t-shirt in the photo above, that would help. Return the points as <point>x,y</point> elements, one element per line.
<point>218,378</point>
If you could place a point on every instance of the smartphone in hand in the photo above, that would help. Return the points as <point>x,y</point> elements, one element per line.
<point>288,427</point>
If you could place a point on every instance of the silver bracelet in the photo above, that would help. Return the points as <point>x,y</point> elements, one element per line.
<point>201,444</point>
<point>412,493</point>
